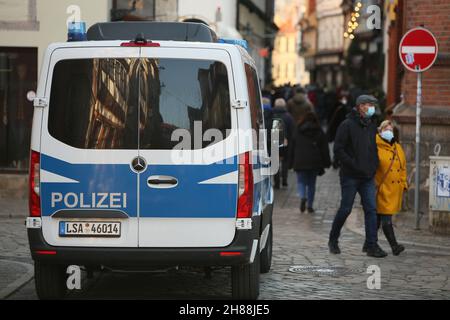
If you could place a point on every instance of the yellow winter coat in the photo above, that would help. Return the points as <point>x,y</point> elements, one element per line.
<point>393,183</point>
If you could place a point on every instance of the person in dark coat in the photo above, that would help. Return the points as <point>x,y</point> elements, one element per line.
<point>280,112</point>
<point>356,149</point>
<point>299,105</point>
<point>309,156</point>
<point>339,115</point>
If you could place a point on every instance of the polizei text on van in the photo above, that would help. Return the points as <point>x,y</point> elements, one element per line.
<point>101,200</point>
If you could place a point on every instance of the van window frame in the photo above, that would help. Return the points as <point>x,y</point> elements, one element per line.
<point>229,90</point>
<point>256,107</point>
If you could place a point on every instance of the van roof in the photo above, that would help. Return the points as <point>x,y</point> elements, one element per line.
<point>178,31</point>
<point>164,44</point>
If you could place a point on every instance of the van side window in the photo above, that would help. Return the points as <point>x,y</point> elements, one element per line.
<point>254,94</point>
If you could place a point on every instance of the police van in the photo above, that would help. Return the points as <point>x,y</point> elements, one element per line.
<point>110,186</point>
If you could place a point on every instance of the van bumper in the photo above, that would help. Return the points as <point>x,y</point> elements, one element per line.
<point>152,257</point>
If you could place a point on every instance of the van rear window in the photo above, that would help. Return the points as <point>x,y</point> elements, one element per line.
<point>94,102</point>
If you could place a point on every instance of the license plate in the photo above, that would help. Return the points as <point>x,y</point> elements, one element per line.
<point>89,229</point>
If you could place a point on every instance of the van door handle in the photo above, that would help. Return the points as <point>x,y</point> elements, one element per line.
<point>159,181</point>
<point>162,182</point>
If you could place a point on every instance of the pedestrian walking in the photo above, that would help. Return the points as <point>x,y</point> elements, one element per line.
<point>339,115</point>
<point>308,156</point>
<point>390,180</point>
<point>299,105</point>
<point>356,150</point>
<point>280,113</point>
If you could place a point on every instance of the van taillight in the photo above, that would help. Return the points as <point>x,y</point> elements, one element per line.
<point>34,185</point>
<point>245,202</point>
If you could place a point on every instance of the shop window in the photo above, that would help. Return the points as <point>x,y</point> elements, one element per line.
<point>18,82</point>
<point>133,10</point>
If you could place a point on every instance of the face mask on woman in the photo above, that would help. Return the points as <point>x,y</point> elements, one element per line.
<point>387,135</point>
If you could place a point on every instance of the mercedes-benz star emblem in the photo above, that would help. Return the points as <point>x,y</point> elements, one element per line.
<point>139,164</point>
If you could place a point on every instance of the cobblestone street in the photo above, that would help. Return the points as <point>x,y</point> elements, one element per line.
<point>302,266</point>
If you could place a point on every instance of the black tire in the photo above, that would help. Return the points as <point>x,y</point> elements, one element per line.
<point>266,254</point>
<point>245,280</point>
<point>50,281</point>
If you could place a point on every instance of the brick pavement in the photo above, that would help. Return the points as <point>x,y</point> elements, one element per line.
<point>13,207</point>
<point>300,240</point>
<point>418,273</point>
<point>16,266</point>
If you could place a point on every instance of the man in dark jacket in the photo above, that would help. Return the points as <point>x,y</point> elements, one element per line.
<point>280,112</point>
<point>356,150</point>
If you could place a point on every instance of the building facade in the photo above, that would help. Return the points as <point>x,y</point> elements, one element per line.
<point>27,27</point>
<point>308,40</point>
<point>330,43</point>
<point>251,20</point>
<point>323,42</point>
<point>220,15</point>
<point>255,21</point>
<point>150,10</point>
<point>363,46</point>
<point>402,90</point>
<point>288,67</point>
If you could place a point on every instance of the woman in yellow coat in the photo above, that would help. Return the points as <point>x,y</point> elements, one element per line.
<point>390,181</point>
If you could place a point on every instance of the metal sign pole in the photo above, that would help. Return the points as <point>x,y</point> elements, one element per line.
<point>417,186</point>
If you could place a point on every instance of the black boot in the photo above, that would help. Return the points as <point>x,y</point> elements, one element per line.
<point>376,252</point>
<point>303,205</point>
<point>364,248</point>
<point>388,230</point>
<point>334,247</point>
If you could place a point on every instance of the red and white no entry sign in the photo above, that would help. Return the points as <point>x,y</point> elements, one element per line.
<point>418,49</point>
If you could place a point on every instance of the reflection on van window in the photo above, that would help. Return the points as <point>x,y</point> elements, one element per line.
<point>178,93</point>
<point>254,95</point>
<point>93,103</point>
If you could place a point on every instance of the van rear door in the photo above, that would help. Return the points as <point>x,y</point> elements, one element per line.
<point>89,142</point>
<point>187,137</point>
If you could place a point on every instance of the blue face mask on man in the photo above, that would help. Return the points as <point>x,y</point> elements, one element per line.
<point>370,112</point>
<point>387,135</point>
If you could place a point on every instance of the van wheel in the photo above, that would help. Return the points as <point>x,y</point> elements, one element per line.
<point>245,280</point>
<point>266,254</point>
<point>50,281</point>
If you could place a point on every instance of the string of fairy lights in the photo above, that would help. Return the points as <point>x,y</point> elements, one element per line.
<point>353,23</point>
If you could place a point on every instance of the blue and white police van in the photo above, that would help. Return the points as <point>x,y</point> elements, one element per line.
<point>109,185</point>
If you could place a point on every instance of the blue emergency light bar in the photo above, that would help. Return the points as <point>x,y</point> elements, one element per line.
<point>76,31</point>
<point>239,42</point>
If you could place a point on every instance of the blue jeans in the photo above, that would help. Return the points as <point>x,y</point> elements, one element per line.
<point>366,189</point>
<point>306,183</point>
